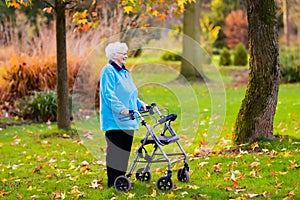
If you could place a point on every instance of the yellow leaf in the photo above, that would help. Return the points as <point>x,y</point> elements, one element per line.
<point>282,173</point>
<point>128,9</point>
<point>50,175</point>
<point>171,195</point>
<point>195,187</point>
<point>29,188</point>
<point>3,193</point>
<point>180,3</point>
<point>254,145</point>
<point>66,135</point>
<point>48,10</point>
<point>155,12</point>
<point>130,196</point>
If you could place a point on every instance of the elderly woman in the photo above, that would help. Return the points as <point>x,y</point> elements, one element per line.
<point>118,95</point>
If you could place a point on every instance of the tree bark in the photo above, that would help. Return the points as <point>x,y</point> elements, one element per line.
<point>256,115</point>
<point>191,55</point>
<point>63,114</point>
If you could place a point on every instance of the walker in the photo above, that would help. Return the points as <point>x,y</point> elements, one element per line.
<point>158,155</point>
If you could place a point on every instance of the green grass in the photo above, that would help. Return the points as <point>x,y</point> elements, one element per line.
<point>40,161</point>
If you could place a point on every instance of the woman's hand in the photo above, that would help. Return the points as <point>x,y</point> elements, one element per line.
<point>124,112</point>
<point>144,107</point>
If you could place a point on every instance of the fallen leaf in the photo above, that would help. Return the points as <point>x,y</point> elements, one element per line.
<point>33,197</point>
<point>290,194</point>
<point>250,196</point>
<point>19,197</point>
<point>3,193</point>
<point>65,135</point>
<point>273,173</point>
<point>242,176</point>
<point>217,167</point>
<point>170,195</point>
<point>97,184</point>
<point>58,195</point>
<point>254,164</point>
<point>202,164</point>
<point>205,196</point>
<point>76,193</point>
<point>195,187</point>
<point>130,195</point>
<point>235,184</point>
<point>254,145</point>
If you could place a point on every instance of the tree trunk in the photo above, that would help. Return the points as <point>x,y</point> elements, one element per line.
<point>63,114</point>
<point>286,27</point>
<point>191,53</point>
<point>256,115</point>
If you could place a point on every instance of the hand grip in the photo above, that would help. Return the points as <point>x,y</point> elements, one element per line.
<point>131,114</point>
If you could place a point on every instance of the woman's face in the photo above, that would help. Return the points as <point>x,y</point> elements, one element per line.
<point>120,58</point>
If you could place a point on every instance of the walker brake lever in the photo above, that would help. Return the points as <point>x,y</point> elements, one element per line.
<point>131,114</point>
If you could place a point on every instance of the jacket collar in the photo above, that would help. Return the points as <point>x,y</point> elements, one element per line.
<point>116,66</point>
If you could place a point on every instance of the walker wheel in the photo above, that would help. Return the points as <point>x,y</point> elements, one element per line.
<point>164,183</point>
<point>122,184</point>
<point>146,176</point>
<point>183,175</point>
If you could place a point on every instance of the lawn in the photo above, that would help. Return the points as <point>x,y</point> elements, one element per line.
<point>38,161</point>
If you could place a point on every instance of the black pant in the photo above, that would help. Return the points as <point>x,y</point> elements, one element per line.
<point>119,144</point>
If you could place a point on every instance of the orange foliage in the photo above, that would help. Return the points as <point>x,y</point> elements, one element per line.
<point>236,29</point>
<point>26,73</point>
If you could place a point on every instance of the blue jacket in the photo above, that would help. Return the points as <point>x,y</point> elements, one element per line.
<point>117,91</point>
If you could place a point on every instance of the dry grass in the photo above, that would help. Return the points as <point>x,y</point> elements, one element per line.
<point>28,60</point>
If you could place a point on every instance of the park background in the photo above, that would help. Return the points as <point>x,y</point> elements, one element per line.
<point>39,160</point>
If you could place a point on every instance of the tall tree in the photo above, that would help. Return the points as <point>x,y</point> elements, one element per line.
<point>63,113</point>
<point>286,21</point>
<point>60,8</point>
<point>191,57</point>
<point>191,53</point>
<point>256,115</point>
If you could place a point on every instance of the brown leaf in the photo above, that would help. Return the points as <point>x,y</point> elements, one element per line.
<point>254,145</point>
<point>217,167</point>
<point>195,196</point>
<point>33,197</point>
<point>254,164</point>
<point>235,184</point>
<point>19,197</point>
<point>97,184</point>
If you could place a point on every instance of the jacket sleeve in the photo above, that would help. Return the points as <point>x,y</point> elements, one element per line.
<point>107,91</point>
<point>139,104</point>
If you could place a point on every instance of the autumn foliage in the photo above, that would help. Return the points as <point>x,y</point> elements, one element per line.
<point>27,73</point>
<point>236,29</point>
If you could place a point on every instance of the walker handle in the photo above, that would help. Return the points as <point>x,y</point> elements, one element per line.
<point>131,114</point>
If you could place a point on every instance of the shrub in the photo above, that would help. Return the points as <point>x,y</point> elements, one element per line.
<point>27,73</point>
<point>40,106</point>
<point>225,57</point>
<point>236,28</point>
<point>171,56</point>
<point>240,55</point>
<point>290,64</point>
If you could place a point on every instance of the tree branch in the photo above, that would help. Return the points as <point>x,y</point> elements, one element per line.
<point>49,4</point>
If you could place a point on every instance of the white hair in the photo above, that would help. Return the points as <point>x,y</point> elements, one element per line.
<point>115,47</point>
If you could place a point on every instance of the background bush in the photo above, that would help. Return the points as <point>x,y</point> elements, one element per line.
<point>27,73</point>
<point>290,64</point>
<point>171,56</point>
<point>39,107</point>
<point>240,56</point>
<point>225,57</point>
